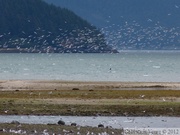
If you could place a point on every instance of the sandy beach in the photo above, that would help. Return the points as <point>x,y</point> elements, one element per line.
<point>69,85</point>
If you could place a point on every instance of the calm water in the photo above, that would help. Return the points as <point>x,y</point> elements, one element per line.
<point>115,122</point>
<point>156,66</point>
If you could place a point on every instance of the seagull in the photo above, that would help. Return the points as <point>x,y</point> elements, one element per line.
<point>176,6</point>
<point>50,92</point>
<point>142,96</point>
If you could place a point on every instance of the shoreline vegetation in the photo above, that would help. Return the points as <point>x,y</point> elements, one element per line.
<point>76,98</point>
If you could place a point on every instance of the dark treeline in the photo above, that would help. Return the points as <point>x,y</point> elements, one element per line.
<point>35,26</point>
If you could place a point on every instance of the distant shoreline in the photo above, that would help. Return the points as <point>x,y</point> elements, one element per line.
<point>27,50</point>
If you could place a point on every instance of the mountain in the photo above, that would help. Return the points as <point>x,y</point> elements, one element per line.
<point>132,24</point>
<point>36,26</point>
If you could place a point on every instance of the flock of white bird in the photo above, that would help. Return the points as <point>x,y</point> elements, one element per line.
<point>125,36</point>
<point>77,39</point>
<point>135,36</point>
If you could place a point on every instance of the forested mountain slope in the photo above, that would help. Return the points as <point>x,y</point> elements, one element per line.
<point>35,26</point>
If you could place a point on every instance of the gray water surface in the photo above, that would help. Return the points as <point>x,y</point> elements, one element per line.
<point>146,66</point>
<point>115,122</point>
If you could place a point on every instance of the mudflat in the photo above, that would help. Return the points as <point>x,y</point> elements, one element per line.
<point>42,97</point>
<point>96,85</point>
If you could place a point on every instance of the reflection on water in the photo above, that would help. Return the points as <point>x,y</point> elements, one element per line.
<point>115,122</point>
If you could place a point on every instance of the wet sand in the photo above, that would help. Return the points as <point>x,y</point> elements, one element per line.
<point>69,85</point>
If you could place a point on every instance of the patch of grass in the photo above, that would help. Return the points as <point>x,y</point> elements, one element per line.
<point>84,102</point>
<point>85,94</point>
<point>132,108</point>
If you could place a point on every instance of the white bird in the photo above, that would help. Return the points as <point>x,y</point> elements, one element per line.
<point>50,92</point>
<point>176,6</point>
<point>142,96</point>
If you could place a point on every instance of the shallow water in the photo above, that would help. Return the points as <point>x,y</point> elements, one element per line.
<point>115,122</point>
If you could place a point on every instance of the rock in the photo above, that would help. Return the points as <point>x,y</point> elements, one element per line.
<point>101,126</point>
<point>98,114</point>
<point>61,122</point>
<point>50,124</point>
<point>109,127</point>
<point>75,89</point>
<point>15,122</point>
<point>73,124</point>
<point>71,131</point>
